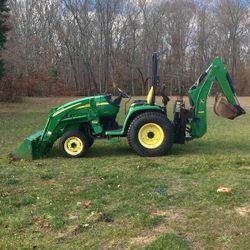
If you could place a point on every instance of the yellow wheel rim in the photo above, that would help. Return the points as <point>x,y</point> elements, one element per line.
<point>73,145</point>
<point>151,135</point>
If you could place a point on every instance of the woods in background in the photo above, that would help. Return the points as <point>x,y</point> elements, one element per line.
<point>64,47</point>
<point>3,32</point>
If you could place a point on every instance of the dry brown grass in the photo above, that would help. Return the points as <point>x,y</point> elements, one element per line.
<point>31,104</point>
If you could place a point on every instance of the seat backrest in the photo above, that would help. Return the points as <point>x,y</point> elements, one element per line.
<point>151,96</point>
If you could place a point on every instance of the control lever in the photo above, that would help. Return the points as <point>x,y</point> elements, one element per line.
<point>165,98</point>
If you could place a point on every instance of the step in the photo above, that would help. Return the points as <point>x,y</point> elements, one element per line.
<point>116,132</point>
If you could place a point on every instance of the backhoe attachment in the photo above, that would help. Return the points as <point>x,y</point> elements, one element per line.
<point>226,106</point>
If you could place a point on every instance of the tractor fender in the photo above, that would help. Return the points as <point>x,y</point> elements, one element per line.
<point>136,111</point>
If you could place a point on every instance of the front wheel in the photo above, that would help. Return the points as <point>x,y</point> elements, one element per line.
<point>151,134</point>
<point>74,144</point>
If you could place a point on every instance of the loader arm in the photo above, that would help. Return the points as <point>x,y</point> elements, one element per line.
<point>199,92</point>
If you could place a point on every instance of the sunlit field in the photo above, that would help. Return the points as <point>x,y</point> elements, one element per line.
<point>115,199</point>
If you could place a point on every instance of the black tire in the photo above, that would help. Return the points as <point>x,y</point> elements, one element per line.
<point>159,122</point>
<point>91,140</point>
<point>74,144</point>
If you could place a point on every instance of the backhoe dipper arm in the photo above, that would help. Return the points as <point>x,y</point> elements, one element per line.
<point>199,92</point>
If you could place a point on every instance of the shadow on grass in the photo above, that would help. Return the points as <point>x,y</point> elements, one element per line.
<point>108,150</point>
<point>100,151</point>
<point>196,147</point>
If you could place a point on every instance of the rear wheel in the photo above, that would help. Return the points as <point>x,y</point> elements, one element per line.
<point>74,144</point>
<point>151,134</point>
<point>91,140</point>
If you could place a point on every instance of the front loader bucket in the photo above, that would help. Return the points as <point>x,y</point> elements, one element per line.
<point>224,109</point>
<point>30,148</point>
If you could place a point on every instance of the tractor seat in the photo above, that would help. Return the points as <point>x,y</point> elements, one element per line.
<point>150,99</point>
<point>139,102</point>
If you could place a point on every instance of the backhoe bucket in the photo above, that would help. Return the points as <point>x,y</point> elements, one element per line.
<point>224,109</point>
<point>30,147</point>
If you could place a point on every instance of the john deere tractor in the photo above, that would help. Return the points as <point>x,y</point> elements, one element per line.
<point>147,127</point>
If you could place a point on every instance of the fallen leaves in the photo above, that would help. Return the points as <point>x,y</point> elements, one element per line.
<point>6,194</point>
<point>223,189</point>
<point>42,222</point>
<point>85,204</point>
<point>99,217</point>
<point>79,229</point>
<point>72,216</point>
<point>22,191</point>
<point>12,158</point>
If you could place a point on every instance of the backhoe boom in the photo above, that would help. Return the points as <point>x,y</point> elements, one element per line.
<point>199,92</point>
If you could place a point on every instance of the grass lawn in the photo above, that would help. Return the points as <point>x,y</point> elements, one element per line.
<point>115,199</point>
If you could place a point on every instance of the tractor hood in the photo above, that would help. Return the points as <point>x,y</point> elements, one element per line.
<point>76,103</point>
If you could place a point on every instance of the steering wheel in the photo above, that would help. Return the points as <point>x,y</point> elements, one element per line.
<point>122,93</point>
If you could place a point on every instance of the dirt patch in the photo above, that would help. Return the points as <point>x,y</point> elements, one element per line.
<point>194,243</point>
<point>244,210</point>
<point>142,240</point>
<point>147,237</point>
<point>168,214</point>
<point>245,167</point>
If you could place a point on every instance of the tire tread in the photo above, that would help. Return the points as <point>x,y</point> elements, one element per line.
<point>151,117</point>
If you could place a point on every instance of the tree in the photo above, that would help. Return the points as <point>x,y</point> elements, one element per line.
<point>4,10</point>
<point>95,45</point>
<point>233,18</point>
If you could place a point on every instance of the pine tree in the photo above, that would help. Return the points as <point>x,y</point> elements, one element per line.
<point>4,13</point>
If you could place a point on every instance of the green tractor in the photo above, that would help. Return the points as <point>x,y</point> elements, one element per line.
<point>146,126</point>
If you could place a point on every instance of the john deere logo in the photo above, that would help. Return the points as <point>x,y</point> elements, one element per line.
<point>202,101</point>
